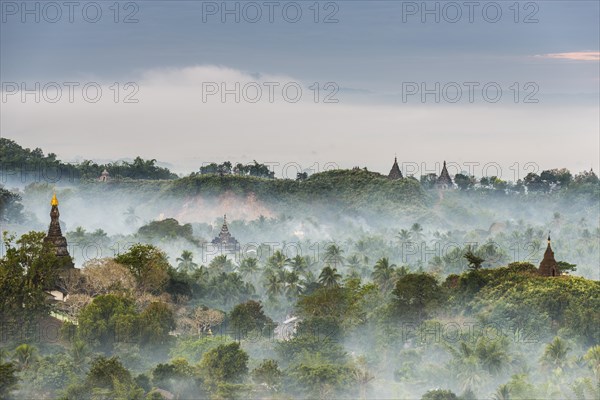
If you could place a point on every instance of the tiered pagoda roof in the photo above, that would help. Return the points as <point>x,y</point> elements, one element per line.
<point>225,240</point>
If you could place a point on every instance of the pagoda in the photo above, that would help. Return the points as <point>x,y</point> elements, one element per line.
<point>56,238</point>
<point>444,181</point>
<point>225,241</point>
<point>395,172</point>
<point>548,266</point>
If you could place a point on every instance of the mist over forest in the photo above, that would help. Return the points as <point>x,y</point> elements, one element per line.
<point>343,284</point>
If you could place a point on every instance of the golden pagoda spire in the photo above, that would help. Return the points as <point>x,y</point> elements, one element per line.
<point>54,201</point>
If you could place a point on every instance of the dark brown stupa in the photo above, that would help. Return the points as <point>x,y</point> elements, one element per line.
<point>55,237</point>
<point>395,172</point>
<point>548,266</point>
<point>444,181</point>
<point>225,241</point>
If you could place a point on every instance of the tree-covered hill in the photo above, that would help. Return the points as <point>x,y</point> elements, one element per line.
<point>351,190</point>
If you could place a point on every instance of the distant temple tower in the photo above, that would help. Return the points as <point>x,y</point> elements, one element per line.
<point>55,237</point>
<point>225,241</point>
<point>395,172</point>
<point>105,176</point>
<point>548,266</point>
<point>444,181</point>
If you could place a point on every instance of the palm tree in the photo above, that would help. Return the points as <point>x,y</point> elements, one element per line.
<point>221,264</point>
<point>353,261</point>
<point>278,260</point>
<point>362,376</point>
<point>404,236</point>
<point>249,266</point>
<point>329,277</point>
<point>299,264</point>
<point>492,355</point>
<point>186,262</point>
<point>417,231</point>
<point>555,354</point>
<point>383,274</point>
<point>334,255</point>
<point>78,234</point>
<point>293,287</point>
<point>502,393</point>
<point>593,358</point>
<point>130,217</point>
<point>24,355</point>
<point>273,286</point>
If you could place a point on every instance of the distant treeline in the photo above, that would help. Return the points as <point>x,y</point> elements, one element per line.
<point>26,166</point>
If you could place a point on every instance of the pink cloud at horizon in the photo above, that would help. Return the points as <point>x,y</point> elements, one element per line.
<point>575,56</point>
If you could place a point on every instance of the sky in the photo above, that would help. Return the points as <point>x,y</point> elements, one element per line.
<point>496,88</point>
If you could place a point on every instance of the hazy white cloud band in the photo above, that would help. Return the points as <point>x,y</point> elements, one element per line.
<point>173,124</point>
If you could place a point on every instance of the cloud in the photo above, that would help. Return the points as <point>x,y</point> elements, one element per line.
<point>173,123</point>
<point>575,56</point>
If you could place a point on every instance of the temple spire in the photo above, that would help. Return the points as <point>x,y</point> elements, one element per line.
<point>225,241</point>
<point>444,181</point>
<point>395,172</point>
<point>548,266</point>
<point>56,238</point>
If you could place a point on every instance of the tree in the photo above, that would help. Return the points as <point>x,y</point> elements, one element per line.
<point>439,394</point>
<point>362,376</point>
<point>273,285</point>
<point>107,320</point>
<point>206,318</point>
<point>416,231</point>
<point>221,264</point>
<point>428,181</point>
<point>156,321</point>
<point>24,356</point>
<point>27,270</point>
<point>104,276</point>
<point>8,379</point>
<point>148,264</point>
<point>555,353</point>
<point>564,266</point>
<point>278,260</point>
<point>404,236</point>
<point>334,255</point>
<point>417,295</point>
<point>130,216</point>
<point>474,261</point>
<point>301,176</point>
<point>106,372</point>
<point>268,374</point>
<point>383,274</point>
<point>249,266</point>
<point>502,393</point>
<point>299,264</point>
<point>329,277</point>
<point>320,380</point>
<point>225,364</point>
<point>166,229</point>
<point>249,316</point>
<point>11,209</point>
<point>464,182</point>
<point>186,262</point>
<point>592,357</point>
